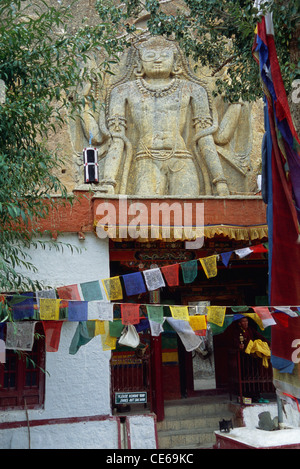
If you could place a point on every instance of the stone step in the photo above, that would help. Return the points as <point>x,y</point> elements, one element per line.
<point>191,423</point>
<point>174,439</point>
<point>195,421</point>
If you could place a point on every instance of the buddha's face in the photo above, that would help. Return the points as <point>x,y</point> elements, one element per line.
<point>157,63</point>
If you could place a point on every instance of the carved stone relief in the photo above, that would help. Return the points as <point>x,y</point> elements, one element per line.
<point>161,132</point>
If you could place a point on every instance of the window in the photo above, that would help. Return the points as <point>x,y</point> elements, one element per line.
<point>22,377</point>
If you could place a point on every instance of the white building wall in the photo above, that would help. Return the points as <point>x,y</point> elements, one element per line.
<point>76,385</point>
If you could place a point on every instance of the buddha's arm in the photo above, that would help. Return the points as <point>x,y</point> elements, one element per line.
<point>117,125</point>
<point>204,128</point>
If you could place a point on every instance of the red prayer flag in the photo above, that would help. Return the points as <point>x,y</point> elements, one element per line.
<point>69,292</point>
<point>171,274</point>
<point>52,331</point>
<point>130,313</point>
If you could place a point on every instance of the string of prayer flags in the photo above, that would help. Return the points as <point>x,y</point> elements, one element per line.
<point>78,311</point>
<point>198,324</point>
<point>155,313</point>
<point>100,310</point>
<point>216,315</point>
<point>91,291</point>
<point>209,265</point>
<point>225,256</point>
<point>130,313</point>
<point>171,274</point>
<point>113,288</point>
<point>189,270</point>
<point>69,292</point>
<point>134,284</point>
<point>180,312</point>
<point>266,317</point>
<point>20,336</point>
<point>154,279</point>
<point>52,331</point>
<point>49,309</point>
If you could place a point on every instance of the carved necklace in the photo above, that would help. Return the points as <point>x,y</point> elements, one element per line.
<point>145,87</point>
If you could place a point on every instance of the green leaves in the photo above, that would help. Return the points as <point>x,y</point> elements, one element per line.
<point>217,33</point>
<point>41,63</point>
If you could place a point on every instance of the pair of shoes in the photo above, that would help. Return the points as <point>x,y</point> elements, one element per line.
<point>262,400</point>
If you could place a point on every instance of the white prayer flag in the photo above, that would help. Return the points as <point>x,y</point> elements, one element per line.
<point>100,310</point>
<point>154,279</point>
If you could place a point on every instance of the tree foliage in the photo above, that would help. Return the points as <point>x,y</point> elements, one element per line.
<point>40,62</point>
<point>217,33</point>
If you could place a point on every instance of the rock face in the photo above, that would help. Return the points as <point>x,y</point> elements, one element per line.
<point>159,131</point>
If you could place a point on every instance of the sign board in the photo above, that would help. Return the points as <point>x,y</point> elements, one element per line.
<point>130,398</point>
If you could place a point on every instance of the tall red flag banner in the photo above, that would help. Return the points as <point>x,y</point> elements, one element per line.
<point>281,173</point>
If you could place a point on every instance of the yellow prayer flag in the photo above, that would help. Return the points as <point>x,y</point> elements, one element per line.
<point>49,309</point>
<point>256,319</point>
<point>209,265</point>
<point>180,312</point>
<point>113,288</point>
<point>216,314</point>
<point>198,323</point>
<point>108,342</point>
<point>99,327</point>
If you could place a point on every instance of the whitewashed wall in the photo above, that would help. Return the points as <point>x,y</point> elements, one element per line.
<point>76,385</point>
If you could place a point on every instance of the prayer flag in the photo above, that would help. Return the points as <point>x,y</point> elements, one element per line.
<point>134,283</point>
<point>81,337</point>
<point>156,328</point>
<point>216,315</point>
<point>22,306</point>
<point>226,257</point>
<point>154,279</point>
<point>198,323</point>
<point>108,342</point>
<point>91,291</point>
<point>243,252</point>
<point>281,172</point>
<point>20,335</point>
<point>155,313</point>
<point>113,288</point>
<point>130,313</point>
<point>259,248</point>
<point>188,337</point>
<point>266,317</point>
<point>100,310</point>
<point>115,328</point>
<point>78,311</point>
<point>209,265</point>
<point>52,331</point>
<point>99,327</point>
<point>69,292</point>
<point>49,309</point>
<point>189,270</point>
<point>180,312</point>
<point>171,274</point>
